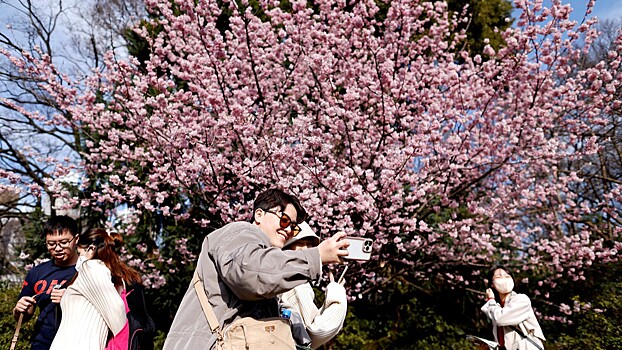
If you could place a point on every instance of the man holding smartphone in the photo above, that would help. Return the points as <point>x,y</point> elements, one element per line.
<point>40,286</point>
<point>242,270</point>
<point>321,324</point>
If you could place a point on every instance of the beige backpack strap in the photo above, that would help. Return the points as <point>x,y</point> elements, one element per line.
<point>212,320</point>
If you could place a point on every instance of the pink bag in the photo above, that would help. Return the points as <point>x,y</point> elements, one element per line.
<point>122,339</point>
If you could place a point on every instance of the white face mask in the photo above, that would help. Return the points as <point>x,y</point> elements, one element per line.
<point>503,285</point>
<point>81,260</point>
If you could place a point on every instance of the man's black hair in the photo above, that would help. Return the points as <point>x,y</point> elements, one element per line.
<point>57,224</point>
<point>271,198</point>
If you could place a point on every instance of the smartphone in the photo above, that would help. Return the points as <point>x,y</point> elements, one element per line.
<point>359,249</point>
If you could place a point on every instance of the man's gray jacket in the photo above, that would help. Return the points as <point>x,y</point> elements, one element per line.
<point>242,274</point>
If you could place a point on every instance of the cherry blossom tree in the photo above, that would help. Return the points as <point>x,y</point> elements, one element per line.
<point>35,133</point>
<point>39,140</point>
<point>377,117</point>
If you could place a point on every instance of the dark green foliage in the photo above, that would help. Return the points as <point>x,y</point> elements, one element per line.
<point>8,298</point>
<point>600,326</point>
<point>486,15</point>
<point>405,320</point>
<point>168,297</point>
<point>34,245</point>
<point>138,46</point>
<point>596,330</point>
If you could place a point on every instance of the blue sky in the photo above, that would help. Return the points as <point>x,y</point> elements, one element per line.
<point>604,9</point>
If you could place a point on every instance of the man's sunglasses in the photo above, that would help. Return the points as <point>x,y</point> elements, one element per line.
<point>286,221</point>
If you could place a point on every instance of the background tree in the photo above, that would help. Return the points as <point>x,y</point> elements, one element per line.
<point>588,304</point>
<point>38,140</point>
<point>448,181</point>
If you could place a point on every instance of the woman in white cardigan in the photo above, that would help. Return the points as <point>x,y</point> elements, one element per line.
<point>514,323</point>
<point>324,323</point>
<point>92,306</point>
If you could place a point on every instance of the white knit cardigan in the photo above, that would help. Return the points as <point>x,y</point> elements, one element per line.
<point>324,323</point>
<point>90,306</point>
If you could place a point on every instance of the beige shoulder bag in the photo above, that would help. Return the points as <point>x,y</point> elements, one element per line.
<point>245,333</point>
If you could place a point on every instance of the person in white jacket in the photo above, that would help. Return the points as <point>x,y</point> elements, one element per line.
<point>322,324</point>
<point>92,305</point>
<point>514,322</point>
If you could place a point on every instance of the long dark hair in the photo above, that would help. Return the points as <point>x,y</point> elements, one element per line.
<point>106,246</point>
<point>491,273</point>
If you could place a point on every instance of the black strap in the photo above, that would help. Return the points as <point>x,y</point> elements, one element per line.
<point>517,330</point>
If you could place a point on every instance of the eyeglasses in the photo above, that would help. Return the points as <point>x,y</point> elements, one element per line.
<point>286,221</point>
<point>63,244</point>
